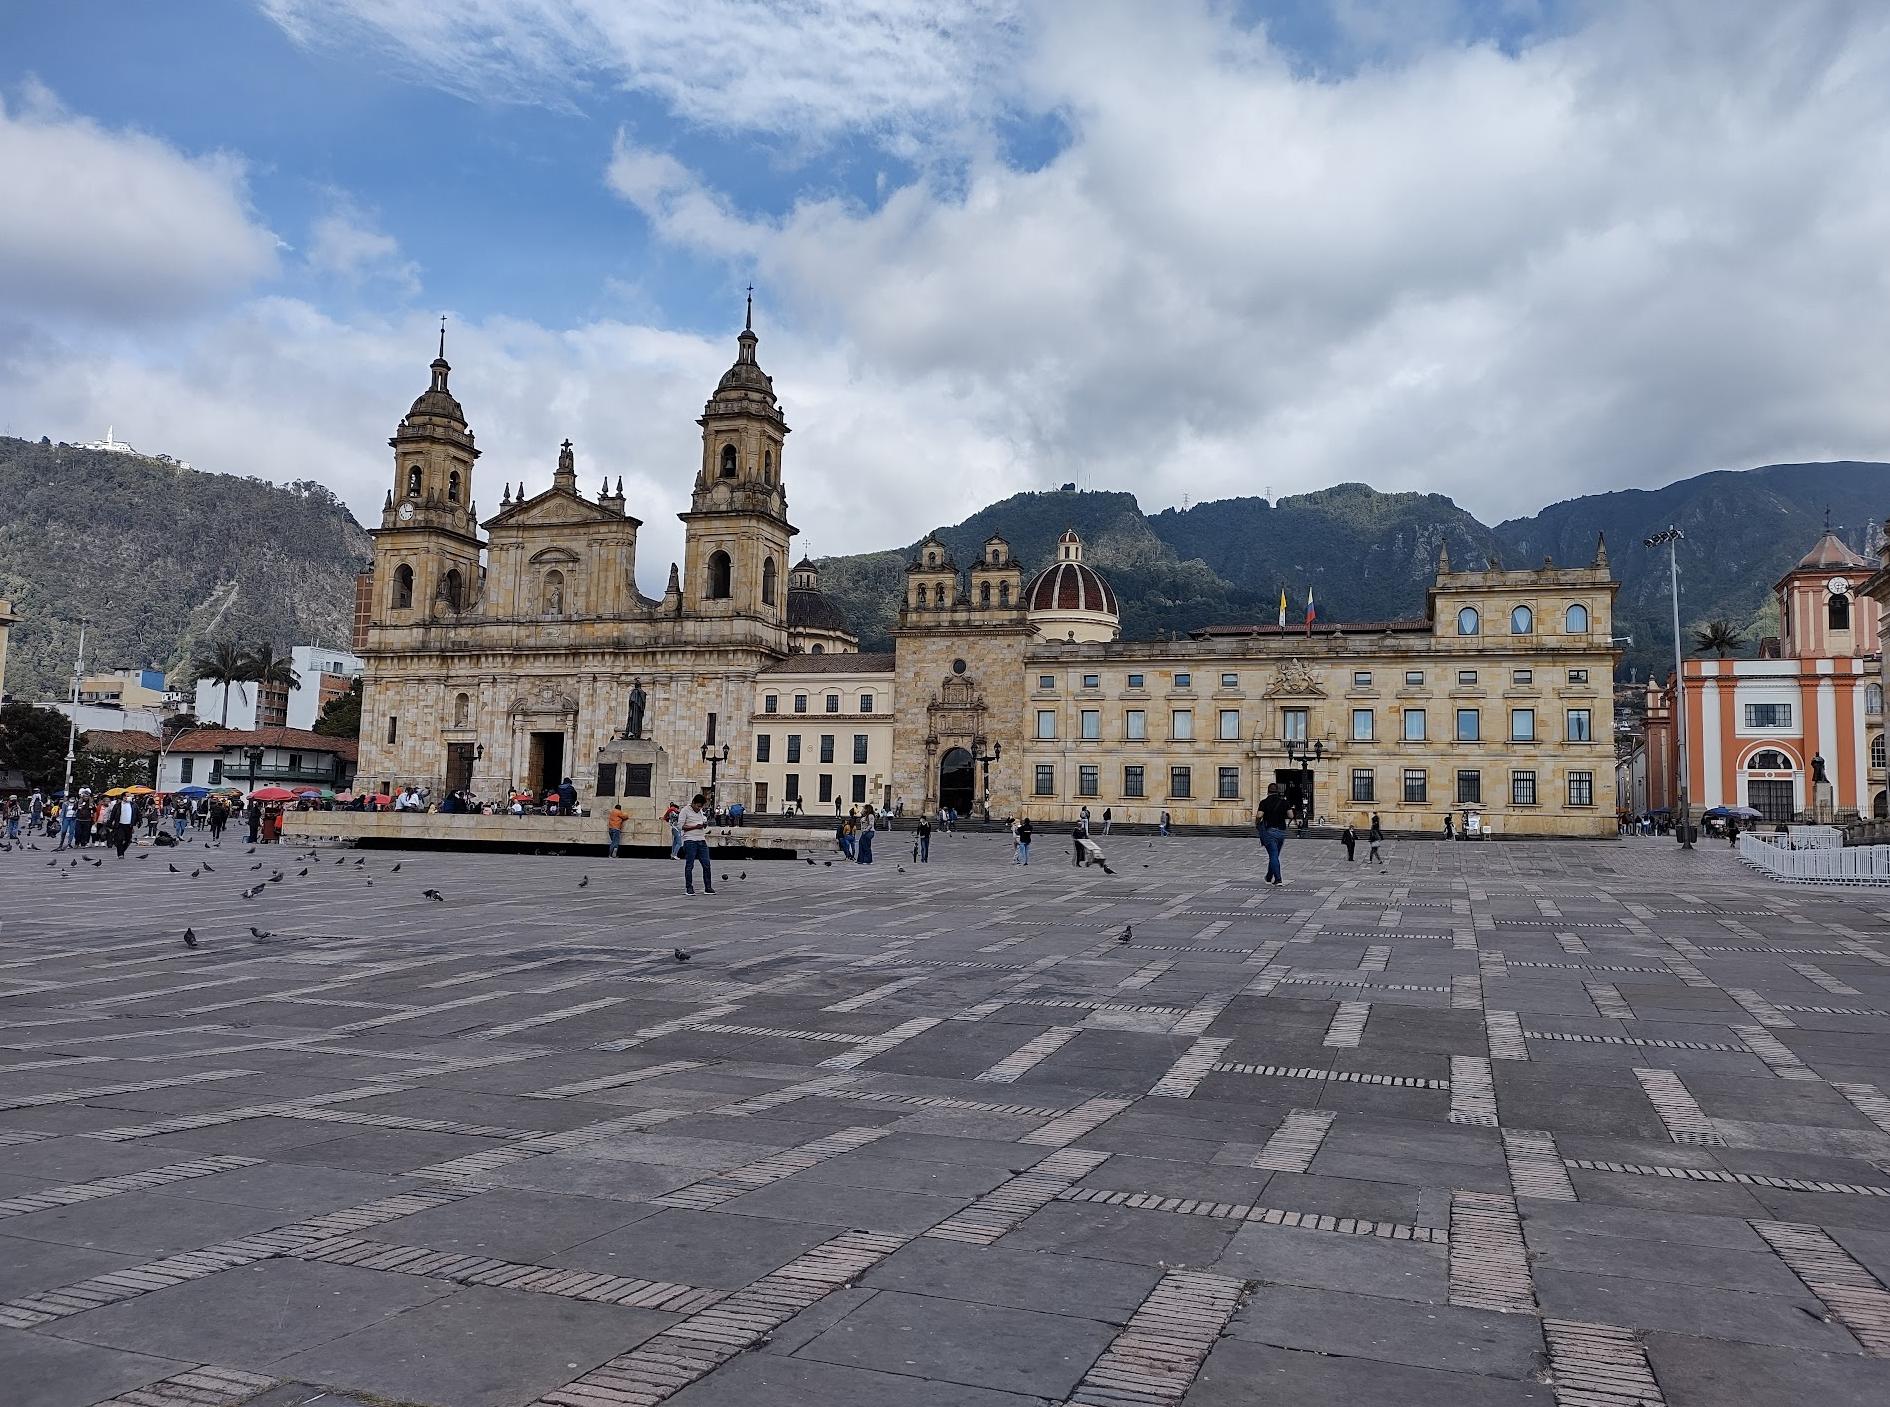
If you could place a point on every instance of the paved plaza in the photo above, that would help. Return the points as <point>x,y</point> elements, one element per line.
<point>1502,1123</point>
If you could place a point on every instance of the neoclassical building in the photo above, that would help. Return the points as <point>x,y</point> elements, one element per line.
<point>510,660</point>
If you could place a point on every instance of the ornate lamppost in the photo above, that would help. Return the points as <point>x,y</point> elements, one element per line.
<point>984,760</point>
<point>1298,752</point>
<point>715,758</point>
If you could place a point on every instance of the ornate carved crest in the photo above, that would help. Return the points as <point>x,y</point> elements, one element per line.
<point>1294,676</point>
<point>543,697</point>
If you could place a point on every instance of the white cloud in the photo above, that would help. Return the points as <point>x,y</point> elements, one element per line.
<point>346,243</point>
<point>118,225</point>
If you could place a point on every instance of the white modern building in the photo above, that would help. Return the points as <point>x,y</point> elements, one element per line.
<point>323,673</point>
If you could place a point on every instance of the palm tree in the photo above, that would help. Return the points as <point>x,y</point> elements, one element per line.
<point>271,670</point>
<point>226,664</point>
<point>1722,637</point>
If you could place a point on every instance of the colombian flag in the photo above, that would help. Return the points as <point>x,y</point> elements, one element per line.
<point>1310,612</point>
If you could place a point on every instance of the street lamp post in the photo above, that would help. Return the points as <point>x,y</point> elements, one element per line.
<point>715,759</point>
<point>984,760</point>
<point>1298,751</point>
<point>72,731</point>
<point>255,757</point>
<point>1682,807</point>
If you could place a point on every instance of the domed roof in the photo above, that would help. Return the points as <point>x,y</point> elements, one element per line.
<point>436,400</point>
<point>814,610</point>
<point>1832,551</point>
<point>1070,586</point>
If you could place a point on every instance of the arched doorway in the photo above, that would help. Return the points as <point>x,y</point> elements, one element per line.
<point>957,781</point>
<point>1771,784</point>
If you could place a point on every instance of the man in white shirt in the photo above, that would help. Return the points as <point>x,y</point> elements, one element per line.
<point>694,824</point>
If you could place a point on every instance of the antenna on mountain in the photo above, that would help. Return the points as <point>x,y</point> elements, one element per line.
<point>1184,503</point>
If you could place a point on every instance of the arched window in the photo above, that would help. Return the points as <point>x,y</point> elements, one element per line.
<point>931,559</point>
<point>452,487</point>
<point>938,597</point>
<point>721,577</point>
<point>413,481</point>
<point>1522,620</point>
<point>817,649</point>
<point>984,594</point>
<point>1877,751</point>
<point>1769,760</point>
<point>403,587</point>
<point>1839,612</point>
<point>728,461</point>
<point>1575,621</point>
<point>767,582</point>
<point>1004,593</point>
<point>552,601</point>
<point>453,589</point>
<point>462,709</point>
<point>1468,622</point>
<point>767,465</point>
<point>1873,699</point>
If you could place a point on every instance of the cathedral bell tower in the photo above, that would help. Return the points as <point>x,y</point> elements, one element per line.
<point>735,561</point>
<point>426,550</point>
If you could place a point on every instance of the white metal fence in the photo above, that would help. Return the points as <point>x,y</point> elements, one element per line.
<point>1774,855</point>
<point>1814,837</point>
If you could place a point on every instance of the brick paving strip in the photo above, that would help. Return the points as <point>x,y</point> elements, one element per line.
<point>1535,1168</point>
<point>27,1311</point>
<point>1760,1010</point>
<point>880,1044</point>
<point>1598,1365</point>
<point>474,1165</point>
<point>183,1123</point>
<point>510,1275</point>
<point>1472,1091</point>
<point>49,1197</point>
<point>1348,1024</point>
<point>202,1386</point>
<point>1466,992</point>
<point>686,1352</point>
<point>1775,1053</point>
<point>604,1082</point>
<point>1248,1211</point>
<point>1002,1208</point>
<point>1504,1033</point>
<point>1031,1053</point>
<point>35,1101</point>
<point>1783,1184</point>
<point>1191,1067</point>
<point>1153,1361</point>
<point>1068,1127</point>
<point>1867,1099</point>
<point>1631,1040</point>
<point>1609,1003</point>
<point>1312,1072</point>
<point>1685,1121</point>
<point>723,1187</point>
<point>1816,975</point>
<point>1489,1266</point>
<point>1295,1143</point>
<point>1856,1298</point>
<point>943,1101</point>
<point>670,1027</point>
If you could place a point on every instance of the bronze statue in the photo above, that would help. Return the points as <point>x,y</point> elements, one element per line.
<point>1817,769</point>
<point>639,701</point>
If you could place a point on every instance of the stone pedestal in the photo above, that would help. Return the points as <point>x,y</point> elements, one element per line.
<point>633,773</point>
<point>1823,803</point>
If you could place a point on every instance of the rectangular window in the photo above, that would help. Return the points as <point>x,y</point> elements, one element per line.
<point>859,749</point>
<point>1135,725</point>
<point>1413,677</point>
<point>606,779</point>
<point>1046,723</point>
<point>1364,784</point>
<point>1135,681</point>
<point>1091,721</point>
<point>1578,729</point>
<point>393,728</point>
<point>826,749</point>
<point>1416,786</point>
<point>859,788</point>
<point>1578,676</point>
<point>186,769</point>
<point>1524,676</point>
<point>1184,681</point>
<point>216,771</point>
<point>1181,725</point>
<point>1522,788</point>
<point>1469,788</point>
<point>1293,725</point>
<point>793,747</point>
<point>793,784</point>
<point>771,703</point>
<point>1046,779</point>
<point>866,703</point>
<point>1181,781</point>
<point>1522,725</point>
<point>1758,715</point>
<point>1046,681</point>
<point>1227,783</point>
<point>1414,725</point>
<point>295,762</point>
<point>826,787</point>
<point>833,703</point>
<point>1581,788</point>
<point>1363,720</point>
<point>1466,676</point>
<point>1088,780</point>
<point>1361,679</point>
<point>1469,725</point>
<point>800,703</point>
<point>764,746</point>
<point>1132,783</point>
<point>1230,725</point>
<point>1230,681</point>
<point>1092,681</point>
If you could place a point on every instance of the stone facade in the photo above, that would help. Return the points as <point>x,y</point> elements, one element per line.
<point>823,733</point>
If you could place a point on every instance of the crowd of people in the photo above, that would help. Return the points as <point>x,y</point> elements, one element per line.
<point>81,819</point>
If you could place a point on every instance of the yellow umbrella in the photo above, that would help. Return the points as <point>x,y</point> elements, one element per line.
<point>116,791</point>
<point>137,791</point>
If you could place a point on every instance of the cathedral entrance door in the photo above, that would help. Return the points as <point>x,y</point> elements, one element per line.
<point>547,761</point>
<point>459,766</point>
<point>957,781</point>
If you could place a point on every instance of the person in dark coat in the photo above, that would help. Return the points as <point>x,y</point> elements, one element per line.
<point>567,797</point>
<point>1349,839</point>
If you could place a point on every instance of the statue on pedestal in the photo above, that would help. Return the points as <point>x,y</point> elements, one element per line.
<point>1817,770</point>
<point>639,702</point>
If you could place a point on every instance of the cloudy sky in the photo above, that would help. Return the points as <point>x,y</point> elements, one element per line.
<point>1507,250</point>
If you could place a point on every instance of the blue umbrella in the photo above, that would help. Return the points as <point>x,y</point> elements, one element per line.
<point>191,791</point>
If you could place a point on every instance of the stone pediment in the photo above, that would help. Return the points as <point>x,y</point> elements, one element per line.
<point>554,508</point>
<point>543,697</point>
<point>1292,677</point>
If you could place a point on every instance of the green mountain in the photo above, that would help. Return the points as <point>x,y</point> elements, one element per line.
<point>160,557</point>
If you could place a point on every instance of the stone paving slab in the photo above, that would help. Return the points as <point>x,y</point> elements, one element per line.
<point>1499,1123</point>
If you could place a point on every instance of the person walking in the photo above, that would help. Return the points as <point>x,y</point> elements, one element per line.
<point>1450,827</point>
<point>68,823</point>
<point>1108,818</point>
<point>863,838</point>
<point>1024,835</point>
<point>1083,817</point>
<point>124,817</point>
<point>1375,837</point>
<point>613,827</point>
<point>694,824</point>
<point>253,814</point>
<point>1273,809</point>
<point>567,797</point>
<point>922,844</point>
<point>1349,839</point>
<point>1164,825</point>
<point>673,819</point>
<point>180,817</point>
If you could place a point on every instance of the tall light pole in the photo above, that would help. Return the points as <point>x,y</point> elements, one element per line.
<point>1683,812</point>
<point>72,732</point>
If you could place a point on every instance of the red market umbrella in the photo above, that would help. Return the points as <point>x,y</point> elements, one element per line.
<point>272,794</point>
<point>379,800</point>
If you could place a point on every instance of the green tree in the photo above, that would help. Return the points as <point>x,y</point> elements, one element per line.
<point>1722,637</point>
<point>225,663</point>
<point>33,742</point>
<point>268,667</point>
<point>342,717</point>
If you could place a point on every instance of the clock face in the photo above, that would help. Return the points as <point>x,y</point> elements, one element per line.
<point>1839,586</point>
<point>406,511</point>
